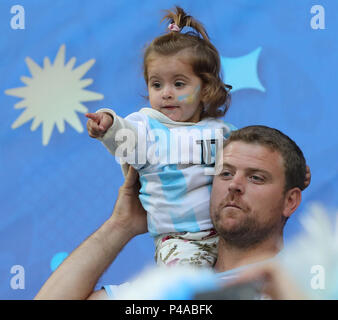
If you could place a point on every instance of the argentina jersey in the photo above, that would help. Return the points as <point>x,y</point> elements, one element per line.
<point>175,161</point>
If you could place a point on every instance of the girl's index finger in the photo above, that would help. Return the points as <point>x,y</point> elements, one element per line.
<point>93,116</point>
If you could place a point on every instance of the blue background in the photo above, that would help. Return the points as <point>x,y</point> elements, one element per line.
<point>54,196</point>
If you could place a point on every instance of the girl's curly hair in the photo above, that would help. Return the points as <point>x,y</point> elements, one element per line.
<point>204,58</point>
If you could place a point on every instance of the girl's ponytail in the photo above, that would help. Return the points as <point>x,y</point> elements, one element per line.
<point>182,19</point>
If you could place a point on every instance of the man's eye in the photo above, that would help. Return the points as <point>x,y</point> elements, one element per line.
<point>257,178</point>
<point>225,174</point>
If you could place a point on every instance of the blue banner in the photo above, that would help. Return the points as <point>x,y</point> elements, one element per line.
<point>61,59</point>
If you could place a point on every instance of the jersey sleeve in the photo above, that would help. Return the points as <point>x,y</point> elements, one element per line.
<point>126,138</point>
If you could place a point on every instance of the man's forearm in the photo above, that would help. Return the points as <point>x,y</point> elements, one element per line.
<point>77,276</point>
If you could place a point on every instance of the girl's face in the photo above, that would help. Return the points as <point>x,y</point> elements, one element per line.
<point>174,89</point>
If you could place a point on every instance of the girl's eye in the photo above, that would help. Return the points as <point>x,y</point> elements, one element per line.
<point>156,85</point>
<point>179,84</point>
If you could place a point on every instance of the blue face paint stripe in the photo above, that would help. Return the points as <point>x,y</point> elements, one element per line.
<point>189,96</point>
<point>180,98</point>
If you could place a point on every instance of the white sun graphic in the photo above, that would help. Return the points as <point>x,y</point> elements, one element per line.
<point>53,95</point>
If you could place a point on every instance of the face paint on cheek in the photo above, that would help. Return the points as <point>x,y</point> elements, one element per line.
<point>189,98</point>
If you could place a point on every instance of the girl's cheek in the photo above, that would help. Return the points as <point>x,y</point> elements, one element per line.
<point>190,98</point>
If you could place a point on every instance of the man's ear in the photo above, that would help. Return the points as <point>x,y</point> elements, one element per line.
<point>293,197</point>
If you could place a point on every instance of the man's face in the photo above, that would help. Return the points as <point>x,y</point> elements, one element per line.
<point>247,199</point>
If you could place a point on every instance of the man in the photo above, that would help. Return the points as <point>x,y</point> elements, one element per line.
<point>257,190</point>
<point>259,187</point>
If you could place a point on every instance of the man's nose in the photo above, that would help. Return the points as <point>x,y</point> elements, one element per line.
<point>237,184</point>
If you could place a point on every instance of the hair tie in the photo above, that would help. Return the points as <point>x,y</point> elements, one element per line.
<point>174,27</point>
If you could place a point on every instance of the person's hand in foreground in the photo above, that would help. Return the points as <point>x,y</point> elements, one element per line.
<point>275,282</point>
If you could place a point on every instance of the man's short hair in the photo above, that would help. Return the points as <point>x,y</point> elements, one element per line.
<point>294,161</point>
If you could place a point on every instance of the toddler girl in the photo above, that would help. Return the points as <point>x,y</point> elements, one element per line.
<point>174,143</point>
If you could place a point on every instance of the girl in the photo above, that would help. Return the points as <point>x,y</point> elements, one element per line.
<point>172,143</point>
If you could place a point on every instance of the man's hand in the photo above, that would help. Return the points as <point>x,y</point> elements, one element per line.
<point>98,123</point>
<point>76,277</point>
<point>128,212</point>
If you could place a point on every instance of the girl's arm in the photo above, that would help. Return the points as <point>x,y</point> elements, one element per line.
<point>126,139</point>
<point>121,135</point>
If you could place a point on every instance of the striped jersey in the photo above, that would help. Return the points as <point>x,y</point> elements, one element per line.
<point>175,161</point>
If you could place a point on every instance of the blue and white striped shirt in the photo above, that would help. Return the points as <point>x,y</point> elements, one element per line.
<point>175,162</point>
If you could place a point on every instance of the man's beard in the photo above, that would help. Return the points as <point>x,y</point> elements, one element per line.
<point>249,232</point>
